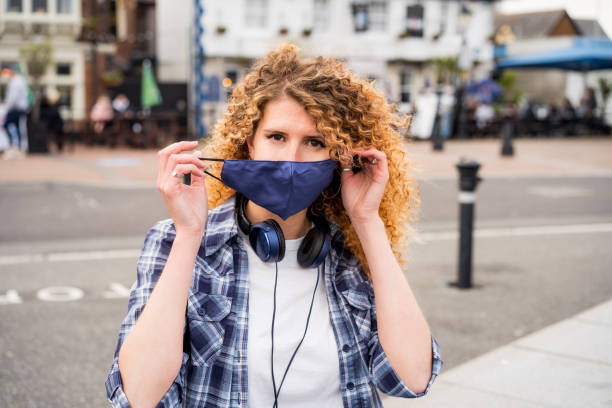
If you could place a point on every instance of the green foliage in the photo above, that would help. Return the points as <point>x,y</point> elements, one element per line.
<point>508,82</point>
<point>37,57</point>
<point>446,68</point>
<point>605,88</point>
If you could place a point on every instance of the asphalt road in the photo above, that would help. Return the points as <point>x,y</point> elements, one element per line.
<point>68,256</point>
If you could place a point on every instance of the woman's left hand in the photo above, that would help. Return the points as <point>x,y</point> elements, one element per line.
<point>362,191</point>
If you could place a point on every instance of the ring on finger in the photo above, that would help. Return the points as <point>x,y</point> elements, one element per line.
<point>374,161</point>
<point>175,174</point>
<point>346,169</point>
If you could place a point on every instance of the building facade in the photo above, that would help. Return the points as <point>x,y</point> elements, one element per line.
<point>97,46</point>
<point>521,34</point>
<point>58,23</point>
<point>392,42</point>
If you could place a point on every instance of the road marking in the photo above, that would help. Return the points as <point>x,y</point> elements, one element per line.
<point>69,256</point>
<point>117,291</point>
<point>559,192</point>
<point>10,298</point>
<point>420,238</point>
<point>517,231</point>
<point>59,294</point>
<point>93,255</point>
<point>119,162</point>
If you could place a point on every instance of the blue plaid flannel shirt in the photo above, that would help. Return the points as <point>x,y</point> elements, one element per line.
<point>214,369</point>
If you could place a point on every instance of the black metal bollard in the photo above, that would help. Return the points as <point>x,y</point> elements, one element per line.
<point>468,180</point>
<point>436,136</point>
<point>507,131</point>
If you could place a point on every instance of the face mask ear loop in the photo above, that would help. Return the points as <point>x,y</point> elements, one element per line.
<point>211,159</point>
<point>335,194</point>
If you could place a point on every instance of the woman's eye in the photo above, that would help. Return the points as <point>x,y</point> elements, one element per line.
<point>276,136</point>
<point>316,143</point>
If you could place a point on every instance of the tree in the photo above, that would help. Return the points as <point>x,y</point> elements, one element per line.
<point>605,88</point>
<point>37,57</point>
<point>446,68</point>
<point>508,82</point>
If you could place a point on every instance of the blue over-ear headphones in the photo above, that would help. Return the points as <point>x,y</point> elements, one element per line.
<point>268,242</point>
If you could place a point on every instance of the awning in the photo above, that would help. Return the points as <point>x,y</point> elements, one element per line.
<point>585,54</point>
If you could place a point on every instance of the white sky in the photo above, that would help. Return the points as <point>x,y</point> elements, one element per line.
<point>592,9</point>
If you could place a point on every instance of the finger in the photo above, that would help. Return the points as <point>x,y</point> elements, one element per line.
<point>182,169</point>
<point>174,148</point>
<point>346,173</point>
<point>182,158</point>
<point>372,156</point>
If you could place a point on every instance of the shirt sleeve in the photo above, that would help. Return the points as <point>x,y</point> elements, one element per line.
<point>11,96</point>
<point>150,265</point>
<point>385,378</point>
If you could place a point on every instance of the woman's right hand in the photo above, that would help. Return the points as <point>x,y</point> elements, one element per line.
<point>188,204</point>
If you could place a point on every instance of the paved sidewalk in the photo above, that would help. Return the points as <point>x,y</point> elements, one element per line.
<point>568,364</point>
<point>133,168</point>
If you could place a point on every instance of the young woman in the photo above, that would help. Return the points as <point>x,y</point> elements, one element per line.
<point>288,291</point>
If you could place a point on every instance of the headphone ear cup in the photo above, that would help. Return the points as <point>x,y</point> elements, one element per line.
<point>267,240</point>
<point>243,222</point>
<point>281,238</point>
<point>315,246</point>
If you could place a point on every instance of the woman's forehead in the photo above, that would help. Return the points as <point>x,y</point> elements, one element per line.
<point>287,115</point>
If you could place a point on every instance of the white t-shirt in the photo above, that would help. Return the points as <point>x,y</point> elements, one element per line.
<point>313,379</point>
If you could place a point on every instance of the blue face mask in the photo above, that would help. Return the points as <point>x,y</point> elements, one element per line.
<point>281,187</point>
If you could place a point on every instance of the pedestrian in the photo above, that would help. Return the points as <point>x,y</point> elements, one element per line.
<point>49,114</point>
<point>447,105</point>
<point>288,290</point>
<point>16,105</point>
<point>101,113</point>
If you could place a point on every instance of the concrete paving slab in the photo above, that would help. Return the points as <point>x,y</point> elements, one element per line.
<point>601,314</point>
<point>567,364</point>
<point>444,394</point>
<point>544,378</point>
<point>573,339</point>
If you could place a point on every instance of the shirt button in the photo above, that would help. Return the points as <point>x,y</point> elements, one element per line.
<point>346,348</point>
<point>350,386</point>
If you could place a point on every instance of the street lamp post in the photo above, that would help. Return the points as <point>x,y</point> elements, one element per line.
<point>199,60</point>
<point>436,136</point>
<point>464,62</point>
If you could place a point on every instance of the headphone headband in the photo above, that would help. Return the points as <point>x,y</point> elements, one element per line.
<point>267,239</point>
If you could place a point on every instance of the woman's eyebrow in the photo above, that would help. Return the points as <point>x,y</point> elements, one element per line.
<point>274,131</point>
<point>285,133</point>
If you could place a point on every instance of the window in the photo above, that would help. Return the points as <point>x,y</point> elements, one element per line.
<point>414,20</point>
<point>64,6</point>
<point>63,69</point>
<point>378,15</point>
<point>443,17</point>
<point>65,98</point>
<point>360,17</point>
<point>405,86</point>
<point>321,15</point>
<point>39,6</point>
<point>370,16</point>
<point>256,13</point>
<point>14,6</point>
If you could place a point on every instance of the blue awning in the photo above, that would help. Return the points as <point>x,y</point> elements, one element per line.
<point>585,54</point>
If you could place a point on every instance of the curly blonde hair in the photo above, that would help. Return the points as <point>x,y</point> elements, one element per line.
<point>347,111</point>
